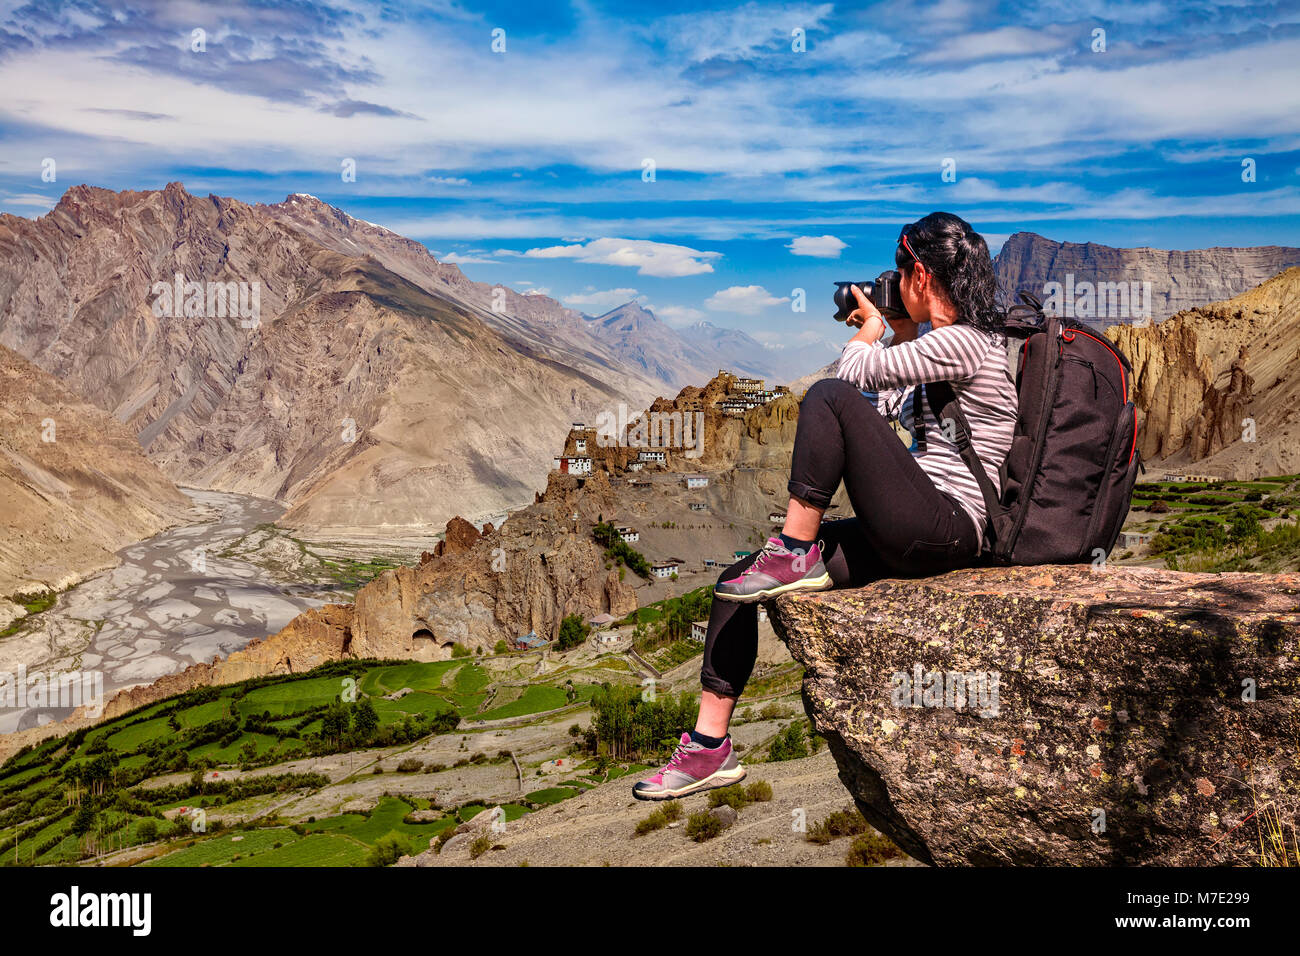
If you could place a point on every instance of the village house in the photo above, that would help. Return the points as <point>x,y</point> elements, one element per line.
<point>699,630</point>
<point>1135,539</point>
<point>529,642</point>
<point>573,464</point>
<point>697,481</point>
<point>580,445</point>
<point>635,465</point>
<point>664,569</point>
<point>776,517</point>
<point>748,385</point>
<point>1190,478</point>
<point>628,534</point>
<point>698,506</point>
<point>652,454</point>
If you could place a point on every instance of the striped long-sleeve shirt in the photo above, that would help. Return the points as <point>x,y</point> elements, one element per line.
<point>975,362</point>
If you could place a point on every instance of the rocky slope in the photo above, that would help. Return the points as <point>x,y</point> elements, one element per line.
<point>337,399</point>
<point>1124,729</point>
<point>1179,280</point>
<point>74,484</point>
<point>599,828</point>
<point>1201,378</point>
<point>538,324</point>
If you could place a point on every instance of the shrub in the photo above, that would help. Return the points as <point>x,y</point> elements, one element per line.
<point>790,744</point>
<point>838,824</point>
<point>870,849</point>
<point>480,846</point>
<point>410,765</point>
<point>733,796</point>
<point>388,850</point>
<point>760,791</point>
<point>655,821</point>
<point>703,826</point>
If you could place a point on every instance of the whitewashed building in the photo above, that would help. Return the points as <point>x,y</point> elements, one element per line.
<point>573,464</point>
<point>697,481</point>
<point>664,569</point>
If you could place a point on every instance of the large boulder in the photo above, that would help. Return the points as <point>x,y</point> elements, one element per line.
<point>1113,716</point>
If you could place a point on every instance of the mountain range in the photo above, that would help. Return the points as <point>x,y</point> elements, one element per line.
<point>294,352</point>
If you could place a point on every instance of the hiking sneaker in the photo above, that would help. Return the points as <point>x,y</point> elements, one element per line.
<point>777,570</point>
<point>693,767</point>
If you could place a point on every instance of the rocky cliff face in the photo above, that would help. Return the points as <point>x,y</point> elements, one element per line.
<point>1178,280</point>
<point>1122,716</point>
<point>1218,385</point>
<point>74,485</point>
<point>335,396</point>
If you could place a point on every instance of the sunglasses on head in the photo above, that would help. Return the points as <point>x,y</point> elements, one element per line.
<point>902,240</point>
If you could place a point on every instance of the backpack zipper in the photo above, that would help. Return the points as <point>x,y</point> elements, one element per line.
<point>1049,393</point>
<point>1103,494</point>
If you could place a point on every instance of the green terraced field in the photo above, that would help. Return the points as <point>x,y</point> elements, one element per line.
<point>314,850</point>
<point>290,697</point>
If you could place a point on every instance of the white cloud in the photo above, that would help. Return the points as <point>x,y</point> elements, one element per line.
<point>743,299</point>
<point>1006,41</point>
<point>34,200</point>
<point>448,181</point>
<point>468,259</point>
<point>677,315</point>
<point>601,298</point>
<point>819,247</point>
<point>661,259</point>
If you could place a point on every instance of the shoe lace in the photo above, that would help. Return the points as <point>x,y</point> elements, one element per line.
<point>767,552</point>
<point>676,759</point>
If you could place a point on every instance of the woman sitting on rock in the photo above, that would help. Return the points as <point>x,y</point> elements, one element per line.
<point>918,511</point>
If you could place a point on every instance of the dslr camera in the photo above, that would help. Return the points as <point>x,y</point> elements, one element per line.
<point>883,293</point>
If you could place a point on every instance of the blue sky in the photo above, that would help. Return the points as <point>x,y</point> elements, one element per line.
<point>775,168</point>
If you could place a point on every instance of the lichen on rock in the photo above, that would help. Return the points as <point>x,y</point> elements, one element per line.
<point>1140,716</point>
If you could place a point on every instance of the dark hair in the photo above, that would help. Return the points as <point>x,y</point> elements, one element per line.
<point>958,257</point>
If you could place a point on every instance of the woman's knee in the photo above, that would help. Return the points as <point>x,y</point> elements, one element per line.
<point>830,390</point>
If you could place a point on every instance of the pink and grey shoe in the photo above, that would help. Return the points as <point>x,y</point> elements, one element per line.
<point>693,767</point>
<point>777,570</point>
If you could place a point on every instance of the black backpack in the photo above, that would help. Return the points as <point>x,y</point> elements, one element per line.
<point>1068,478</point>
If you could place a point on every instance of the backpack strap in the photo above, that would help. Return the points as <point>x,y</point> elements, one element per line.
<point>944,402</point>
<point>918,418</point>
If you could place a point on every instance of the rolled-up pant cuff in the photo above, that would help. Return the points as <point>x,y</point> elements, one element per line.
<point>814,496</point>
<point>717,686</point>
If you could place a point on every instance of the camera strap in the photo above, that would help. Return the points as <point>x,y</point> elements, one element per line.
<point>918,418</point>
<point>944,402</point>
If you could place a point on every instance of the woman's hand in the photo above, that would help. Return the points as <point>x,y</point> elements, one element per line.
<point>866,318</point>
<point>905,329</point>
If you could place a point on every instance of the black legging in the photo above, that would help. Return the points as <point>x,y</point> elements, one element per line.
<point>905,527</point>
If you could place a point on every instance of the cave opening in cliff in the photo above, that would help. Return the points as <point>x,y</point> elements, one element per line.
<point>422,634</point>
